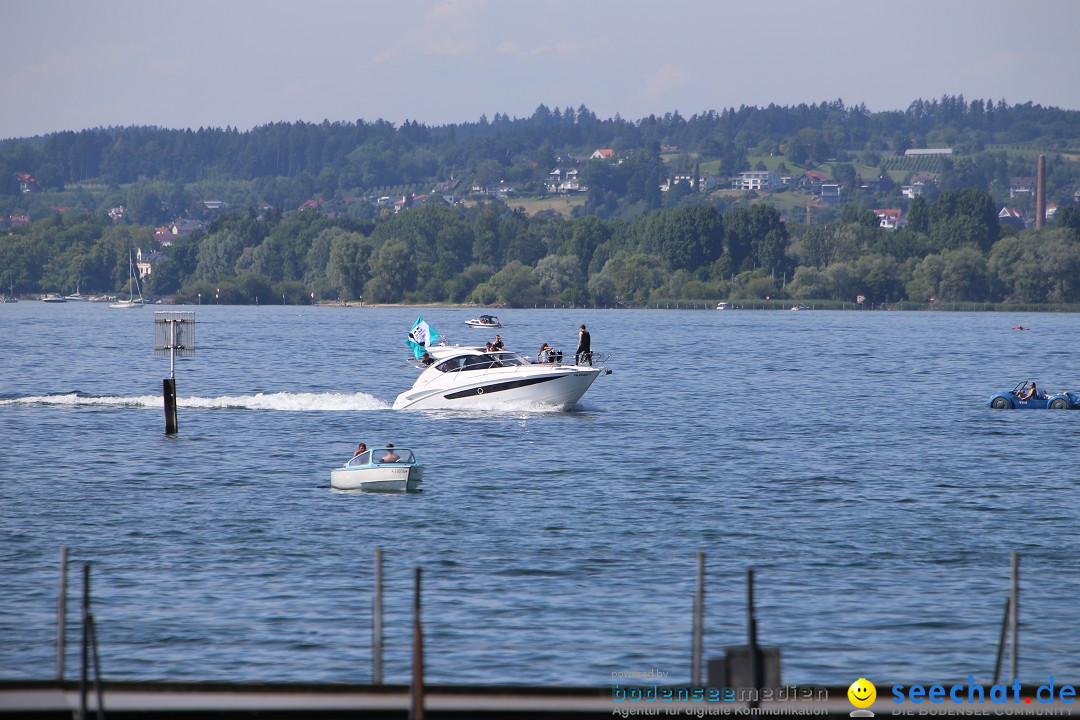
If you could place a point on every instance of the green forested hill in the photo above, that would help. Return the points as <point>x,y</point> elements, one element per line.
<point>636,237</point>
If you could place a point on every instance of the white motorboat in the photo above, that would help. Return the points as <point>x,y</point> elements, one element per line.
<point>462,377</point>
<point>723,306</point>
<point>799,307</point>
<point>484,321</point>
<point>385,469</point>
<point>132,303</point>
<point>54,298</point>
<point>77,297</point>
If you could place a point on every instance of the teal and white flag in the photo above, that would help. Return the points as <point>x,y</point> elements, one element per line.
<point>421,337</point>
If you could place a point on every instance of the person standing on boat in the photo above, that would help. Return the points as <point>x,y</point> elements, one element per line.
<point>583,353</point>
<point>497,343</point>
<point>360,449</point>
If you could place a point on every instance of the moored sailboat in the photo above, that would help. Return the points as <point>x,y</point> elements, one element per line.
<point>133,286</point>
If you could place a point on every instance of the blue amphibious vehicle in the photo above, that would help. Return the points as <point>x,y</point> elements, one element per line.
<point>1011,399</point>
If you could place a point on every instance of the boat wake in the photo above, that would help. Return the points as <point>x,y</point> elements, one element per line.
<point>302,402</point>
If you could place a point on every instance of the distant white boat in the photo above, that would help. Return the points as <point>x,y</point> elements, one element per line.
<point>77,297</point>
<point>799,307</point>
<point>484,321</point>
<point>133,286</point>
<point>54,298</point>
<point>723,306</point>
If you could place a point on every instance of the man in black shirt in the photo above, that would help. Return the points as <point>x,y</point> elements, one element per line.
<point>583,354</point>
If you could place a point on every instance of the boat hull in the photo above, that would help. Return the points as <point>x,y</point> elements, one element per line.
<point>378,479</point>
<point>560,389</point>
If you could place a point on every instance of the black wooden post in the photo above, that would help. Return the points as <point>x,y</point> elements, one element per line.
<point>169,391</point>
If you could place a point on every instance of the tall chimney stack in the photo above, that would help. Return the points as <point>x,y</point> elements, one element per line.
<point>1040,194</point>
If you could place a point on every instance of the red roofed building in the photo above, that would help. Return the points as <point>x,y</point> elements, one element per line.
<point>889,218</point>
<point>27,182</point>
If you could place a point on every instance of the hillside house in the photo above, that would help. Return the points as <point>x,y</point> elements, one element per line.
<point>563,180</point>
<point>683,178</point>
<point>889,218</point>
<point>1021,186</point>
<point>830,192</point>
<point>756,180</point>
<point>503,189</point>
<point>811,181</point>
<point>603,154</point>
<point>183,228</point>
<point>27,182</point>
<point>445,186</point>
<point>163,237</point>
<point>145,261</point>
<point>913,190</point>
<point>570,185</point>
<point>709,182</point>
<point>1012,216</point>
<point>870,185</point>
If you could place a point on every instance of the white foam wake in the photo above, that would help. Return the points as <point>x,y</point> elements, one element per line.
<point>260,401</point>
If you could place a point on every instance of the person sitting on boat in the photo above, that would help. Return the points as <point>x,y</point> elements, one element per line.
<point>1030,394</point>
<point>360,449</point>
<point>390,456</point>
<point>427,359</point>
<point>497,344</point>
<point>544,356</point>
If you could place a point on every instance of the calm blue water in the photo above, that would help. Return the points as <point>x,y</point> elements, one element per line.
<point>848,457</point>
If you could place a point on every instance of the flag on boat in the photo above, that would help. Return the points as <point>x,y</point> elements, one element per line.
<point>421,337</point>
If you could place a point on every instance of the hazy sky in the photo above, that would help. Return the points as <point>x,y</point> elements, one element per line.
<point>67,65</point>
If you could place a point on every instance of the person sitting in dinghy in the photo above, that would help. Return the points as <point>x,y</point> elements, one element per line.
<point>390,455</point>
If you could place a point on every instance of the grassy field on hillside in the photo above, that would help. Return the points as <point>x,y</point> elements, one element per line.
<point>561,204</point>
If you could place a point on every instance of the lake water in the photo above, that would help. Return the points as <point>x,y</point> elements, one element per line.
<point>848,457</point>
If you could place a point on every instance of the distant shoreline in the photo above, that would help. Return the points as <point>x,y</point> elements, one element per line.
<point>735,305</point>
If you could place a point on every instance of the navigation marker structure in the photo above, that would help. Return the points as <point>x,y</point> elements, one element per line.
<point>174,334</point>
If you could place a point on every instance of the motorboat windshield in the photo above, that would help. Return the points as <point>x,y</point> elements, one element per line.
<point>480,361</point>
<point>382,456</point>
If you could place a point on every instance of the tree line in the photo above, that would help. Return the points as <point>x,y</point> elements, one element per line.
<point>952,249</point>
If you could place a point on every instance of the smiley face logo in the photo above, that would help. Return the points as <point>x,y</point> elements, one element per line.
<point>862,693</point>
